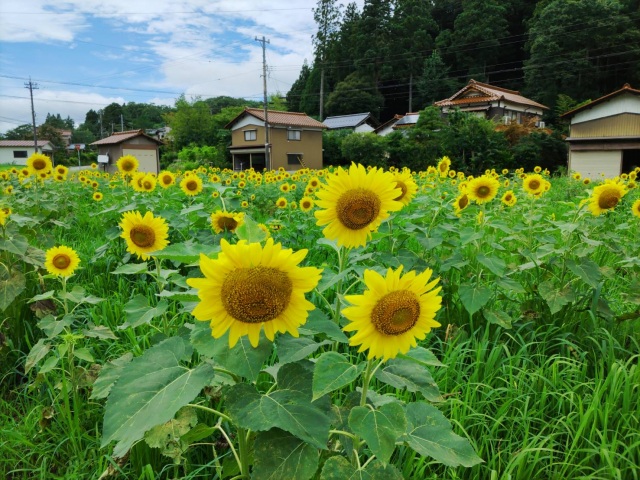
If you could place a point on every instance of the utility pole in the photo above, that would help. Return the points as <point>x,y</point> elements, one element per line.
<point>267,146</point>
<point>100,112</point>
<point>33,86</point>
<point>121,123</point>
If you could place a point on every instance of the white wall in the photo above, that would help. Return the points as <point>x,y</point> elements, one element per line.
<point>247,120</point>
<point>623,103</point>
<point>364,128</point>
<point>6,155</point>
<point>593,164</point>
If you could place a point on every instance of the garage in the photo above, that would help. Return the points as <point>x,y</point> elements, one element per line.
<point>131,142</point>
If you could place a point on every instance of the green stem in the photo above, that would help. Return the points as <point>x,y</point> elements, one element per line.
<point>243,450</point>
<point>343,260</point>
<point>366,379</point>
<point>63,280</point>
<point>210,410</point>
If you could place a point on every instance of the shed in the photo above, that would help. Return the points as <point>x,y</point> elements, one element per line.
<point>604,135</point>
<point>16,152</point>
<point>130,142</point>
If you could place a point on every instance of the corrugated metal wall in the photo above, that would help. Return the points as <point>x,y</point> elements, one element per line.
<point>623,125</point>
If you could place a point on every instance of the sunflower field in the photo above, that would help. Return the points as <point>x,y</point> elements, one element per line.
<point>334,324</point>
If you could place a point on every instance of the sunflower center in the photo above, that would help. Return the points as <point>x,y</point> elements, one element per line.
<point>39,164</point>
<point>608,199</point>
<point>401,185</point>
<point>143,236</point>
<point>227,223</point>
<point>61,261</point>
<point>147,185</point>
<point>306,204</point>
<point>192,185</point>
<point>534,184</point>
<point>127,166</point>
<point>463,202</point>
<point>396,313</point>
<point>166,180</point>
<point>483,191</point>
<point>357,208</point>
<point>255,295</point>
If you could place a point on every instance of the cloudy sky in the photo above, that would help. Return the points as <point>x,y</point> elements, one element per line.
<point>86,54</point>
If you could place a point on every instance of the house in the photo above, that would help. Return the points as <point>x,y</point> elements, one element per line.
<point>295,140</point>
<point>357,122</point>
<point>387,127</point>
<point>495,103</point>
<point>604,135</point>
<point>398,122</point>
<point>158,133</point>
<point>17,152</point>
<point>129,142</point>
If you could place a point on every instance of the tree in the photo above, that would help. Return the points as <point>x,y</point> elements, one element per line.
<point>364,148</point>
<point>435,83</point>
<point>83,134</point>
<point>341,54</point>
<point>23,132</point>
<point>327,16</point>
<point>191,123</point>
<point>111,118</point>
<point>294,95</point>
<point>581,48</point>
<point>353,95</point>
<point>373,40</point>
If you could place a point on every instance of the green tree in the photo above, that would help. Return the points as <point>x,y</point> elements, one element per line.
<point>83,134</point>
<point>353,95</point>
<point>111,118</point>
<point>364,148</point>
<point>582,48</point>
<point>341,54</point>
<point>327,17</point>
<point>435,83</point>
<point>191,123</point>
<point>373,40</point>
<point>294,95</point>
<point>23,132</point>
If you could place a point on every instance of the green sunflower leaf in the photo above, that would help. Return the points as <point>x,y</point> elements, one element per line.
<point>11,286</point>
<point>405,374</point>
<point>339,468</point>
<point>149,392</point>
<point>494,264</point>
<point>430,434</point>
<point>109,374</point>
<point>139,312</point>
<point>187,252</point>
<point>320,324</point>
<point>379,428</point>
<point>250,231</point>
<point>474,297</point>
<point>333,371</point>
<point>131,269</point>
<point>291,349</point>
<point>498,318</point>
<point>278,454</point>
<point>587,270</point>
<point>556,298</point>
<point>37,353</point>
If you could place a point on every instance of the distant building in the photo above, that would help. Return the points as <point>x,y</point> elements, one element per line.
<point>604,135</point>
<point>295,140</point>
<point>494,103</point>
<point>356,122</point>
<point>17,152</point>
<point>158,133</point>
<point>130,142</point>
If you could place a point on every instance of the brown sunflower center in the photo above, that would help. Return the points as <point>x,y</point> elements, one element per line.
<point>143,236</point>
<point>39,164</point>
<point>127,166</point>
<point>463,202</point>
<point>192,185</point>
<point>61,261</point>
<point>255,295</point>
<point>147,185</point>
<point>608,199</point>
<point>396,313</point>
<point>403,188</point>
<point>227,223</point>
<point>305,204</point>
<point>443,167</point>
<point>534,184</point>
<point>483,191</point>
<point>166,180</point>
<point>357,208</point>
<point>508,198</point>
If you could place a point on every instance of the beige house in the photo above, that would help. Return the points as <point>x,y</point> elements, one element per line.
<point>130,142</point>
<point>495,103</point>
<point>16,152</point>
<point>604,135</point>
<point>295,140</point>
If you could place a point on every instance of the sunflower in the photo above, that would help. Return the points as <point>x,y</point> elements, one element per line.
<point>534,184</point>
<point>144,234</point>
<point>38,163</point>
<point>3,217</point>
<point>61,170</point>
<point>97,196</point>
<point>443,166</point>
<point>537,169</point>
<point>635,208</point>
<point>306,204</point>
<point>405,182</point>
<point>285,187</point>
<point>127,164</point>
<point>229,221</point>
<point>61,261</point>
<point>393,312</point>
<point>166,179</point>
<point>250,287</point>
<point>136,181</point>
<point>282,202</point>
<point>605,197</point>
<point>577,176</point>
<point>355,202</point>
<point>509,198</point>
<point>586,180</point>
<point>483,189</point>
<point>460,203</point>
<point>191,185</point>
<point>149,183</point>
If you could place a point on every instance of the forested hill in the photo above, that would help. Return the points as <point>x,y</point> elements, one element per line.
<point>401,55</point>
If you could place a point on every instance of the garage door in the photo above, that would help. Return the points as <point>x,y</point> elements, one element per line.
<point>146,159</point>
<point>596,164</point>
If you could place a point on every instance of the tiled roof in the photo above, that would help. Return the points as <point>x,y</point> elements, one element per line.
<point>626,88</point>
<point>22,143</point>
<point>490,93</point>
<point>408,119</point>
<point>346,121</point>
<point>389,123</point>
<point>120,137</point>
<point>293,119</point>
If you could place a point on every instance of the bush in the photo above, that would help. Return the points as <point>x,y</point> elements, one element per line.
<point>365,148</point>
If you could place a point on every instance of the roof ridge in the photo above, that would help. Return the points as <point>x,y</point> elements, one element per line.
<point>493,87</point>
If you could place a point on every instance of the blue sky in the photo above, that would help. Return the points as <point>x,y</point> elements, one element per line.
<point>86,54</point>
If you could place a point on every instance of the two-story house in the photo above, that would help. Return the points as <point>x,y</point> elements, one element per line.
<point>295,140</point>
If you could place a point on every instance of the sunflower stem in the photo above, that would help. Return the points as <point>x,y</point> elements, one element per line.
<point>366,379</point>
<point>63,280</point>
<point>243,451</point>
<point>211,410</point>
<point>343,260</point>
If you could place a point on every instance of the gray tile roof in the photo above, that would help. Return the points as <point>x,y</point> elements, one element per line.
<point>346,121</point>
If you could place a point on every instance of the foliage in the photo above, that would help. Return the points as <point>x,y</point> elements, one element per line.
<point>365,148</point>
<point>208,156</point>
<point>355,93</point>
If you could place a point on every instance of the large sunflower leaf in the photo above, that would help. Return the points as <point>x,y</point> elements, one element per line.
<point>291,349</point>
<point>406,374</point>
<point>11,286</point>
<point>429,433</point>
<point>187,252</point>
<point>278,454</point>
<point>333,371</point>
<point>242,359</point>
<point>109,374</point>
<point>379,428</point>
<point>318,323</point>
<point>339,468</point>
<point>556,298</point>
<point>149,392</point>
<point>139,312</point>
<point>474,297</point>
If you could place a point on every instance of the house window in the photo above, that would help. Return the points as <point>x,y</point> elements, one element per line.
<point>294,134</point>
<point>294,158</point>
<point>250,135</point>
<point>19,154</point>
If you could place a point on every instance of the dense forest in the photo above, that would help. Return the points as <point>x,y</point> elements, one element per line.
<point>399,56</point>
